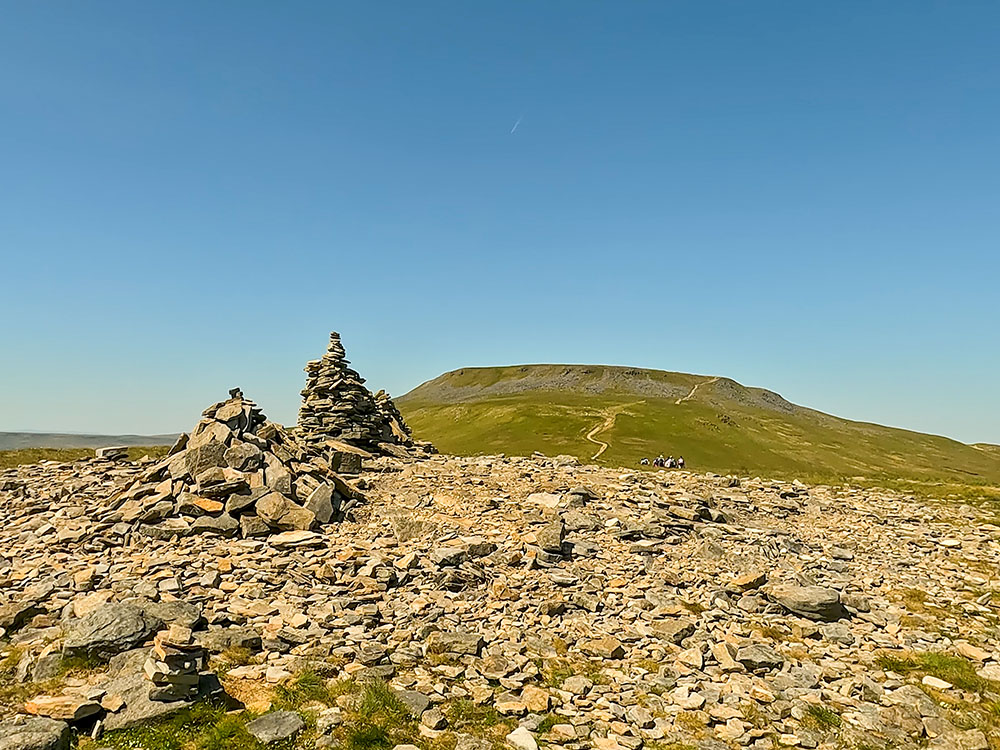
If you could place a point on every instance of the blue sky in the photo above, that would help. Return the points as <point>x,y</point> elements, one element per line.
<point>800,196</point>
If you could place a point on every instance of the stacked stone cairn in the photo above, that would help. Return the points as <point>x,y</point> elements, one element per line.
<point>337,406</point>
<point>400,430</point>
<point>235,474</point>
<point>174,665</point>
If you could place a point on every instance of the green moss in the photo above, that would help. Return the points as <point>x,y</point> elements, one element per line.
<point>546,724</point>
<point>820,717</point>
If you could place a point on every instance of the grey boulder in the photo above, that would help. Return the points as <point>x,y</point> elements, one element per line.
<point>109,630</point>
<point>811,602</point>
<point>33,733</point>
<point>276,726</point>
<point>758,656</point>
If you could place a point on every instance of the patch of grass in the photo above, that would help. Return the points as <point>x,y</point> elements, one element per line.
<point>693,721</point>
<point>463,715</point>
<point>228,733</point>
<point>203,726</point>
<point>379,720</point>
<point>380,702</point>
<point>305,687</point>
<point>821,718</point>
<point>13,692</point>
<point>10,459</point>
<point>546,724</point>
<point>951,668</point>
<point>753,714</point>
<point>556,671</point>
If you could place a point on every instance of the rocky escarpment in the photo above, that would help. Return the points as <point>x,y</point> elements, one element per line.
<point>576,606</point>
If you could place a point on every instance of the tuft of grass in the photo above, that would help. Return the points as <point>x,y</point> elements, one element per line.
<point>203,726</point>
<point>367,737</point>
<point>957,670</point>
<point>546,724</point>
<point>378,720</point>
<point>754,715</point>
<point>773,633</point>
<point>820,717</point>
<point>556,671</point>
<point>228,733</point>
<point>305,687</point>
<point>463,715</point>
<point>380,702</point>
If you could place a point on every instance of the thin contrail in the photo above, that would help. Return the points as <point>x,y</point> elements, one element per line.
<point>516,124</point>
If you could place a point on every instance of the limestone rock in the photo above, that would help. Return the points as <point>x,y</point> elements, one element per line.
<point>109,630</point>
<point>34,733</point>
<point>812,602</point>
<point>275,726</point>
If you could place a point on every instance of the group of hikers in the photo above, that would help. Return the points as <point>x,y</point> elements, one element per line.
<point>665,463</point>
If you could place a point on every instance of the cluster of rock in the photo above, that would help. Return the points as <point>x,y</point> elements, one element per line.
<point>584,607</point>
<point>174,665</point>
<point>337,406</point>
<point>235,474</point>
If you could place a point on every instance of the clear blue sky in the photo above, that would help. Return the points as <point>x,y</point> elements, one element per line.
<point>800,196</point>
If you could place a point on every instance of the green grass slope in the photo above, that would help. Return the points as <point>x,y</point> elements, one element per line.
<point>715,423</point>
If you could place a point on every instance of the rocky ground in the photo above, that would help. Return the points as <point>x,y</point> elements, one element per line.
<point>478,602</point>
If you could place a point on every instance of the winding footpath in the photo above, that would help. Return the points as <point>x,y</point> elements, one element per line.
<point>696,387</point>
<point>606,424</point>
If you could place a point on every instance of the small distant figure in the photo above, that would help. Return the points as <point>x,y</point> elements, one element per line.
<point>659,461</point>
<point>671,463</point>
<point>680,462</point>
<point>643,462</point>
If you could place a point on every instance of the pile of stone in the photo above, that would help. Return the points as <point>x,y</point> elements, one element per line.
<point>174,665</point>
<point>236,473</point>
<point>400,430</point>
<point>337,406</point>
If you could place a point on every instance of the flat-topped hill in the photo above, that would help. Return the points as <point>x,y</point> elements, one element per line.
<point>714,422</point>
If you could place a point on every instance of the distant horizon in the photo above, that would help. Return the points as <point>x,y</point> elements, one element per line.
<point>798,195</point>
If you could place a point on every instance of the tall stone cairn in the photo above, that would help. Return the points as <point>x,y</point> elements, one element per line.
<point>336,404</point>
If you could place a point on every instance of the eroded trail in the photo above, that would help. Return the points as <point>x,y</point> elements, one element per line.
<point>606,424</point>
<point>695,388</point>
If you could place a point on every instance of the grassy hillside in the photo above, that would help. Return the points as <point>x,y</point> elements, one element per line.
<point>10,441</point>
<point>12,458</point>
<point>715,423</point>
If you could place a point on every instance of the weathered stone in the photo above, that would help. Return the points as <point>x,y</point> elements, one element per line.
<point>758,656</point>
<point>275,726</point>
<point>811,602</point>
<point>460,643</point>
<point>320,503</point>
<point>111,629</point>
<point>673,630</point>
<point>605,648</point>
<point>34,733</point>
